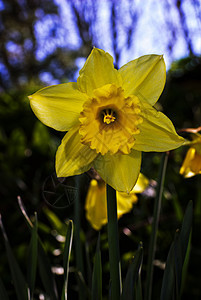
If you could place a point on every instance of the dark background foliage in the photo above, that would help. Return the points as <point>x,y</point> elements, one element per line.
<point>37,49</point>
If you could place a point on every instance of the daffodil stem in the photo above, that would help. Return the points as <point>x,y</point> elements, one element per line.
<point>153,238</point>
<point>113,241</point>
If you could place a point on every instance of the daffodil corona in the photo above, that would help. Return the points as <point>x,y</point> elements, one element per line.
<point>109,121</point>
<point>110,118</point>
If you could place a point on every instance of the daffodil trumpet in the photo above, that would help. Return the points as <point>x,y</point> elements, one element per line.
<point>109,118</point>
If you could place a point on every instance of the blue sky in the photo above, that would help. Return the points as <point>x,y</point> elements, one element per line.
<point>151,32</point>
<point>150,37</point>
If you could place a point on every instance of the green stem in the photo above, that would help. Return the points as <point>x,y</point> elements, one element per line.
<point>157,207</point>
<point>113,241</point>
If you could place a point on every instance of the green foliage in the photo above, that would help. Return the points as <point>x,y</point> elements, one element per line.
<point>27,147</point>
<point>36,256</point>
<point>171,286</point>
<point>66,257</point>
<point>96,292</point>
<point>131,287</point>
<point>32,258</point>
<point>3,293</point>
<point>17,275</point>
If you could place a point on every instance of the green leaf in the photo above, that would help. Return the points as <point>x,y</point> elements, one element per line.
<point>46,273</point>
<point>156,215</point>
<point>138,288</point>
<point>23,211</point>
<point>171,285</point>
<point>88,267</point>
<point>185,265</point>
<point>182,243</point>
<point>66,257</point>
<point>3,293</point>
<point>78,242</point>
<point>44,266</point>
<point>32,258</point>
<point>132,276</point>
<point>185,231</point>
<point>56,223</point>
<point>17,276</point>
<point>86,292</point>
<point>97,274</point>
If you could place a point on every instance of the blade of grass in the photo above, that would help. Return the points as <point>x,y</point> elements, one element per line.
<point>45,272</point>
<point>78,243</point>
<point>182,242</point>
<point>129,287</point>
<point>185,265</point>
<point>32,258</point>
<point>66,257</point>
<point>55,221</point>
<point>157,207</point>
<point>82,283</point>
<point>171,285</point>
<point>17,276</point>
<point>176,205</point>
<point>3,293</point>
<point>23,211</point>
<point>88,262</point>
<point>138,293</point>
<point>138,288</point>
<point>113,242</point>
<point>97,274</point>
<point>46,275</point>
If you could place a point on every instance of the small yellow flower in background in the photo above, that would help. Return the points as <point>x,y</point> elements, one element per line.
<point>192,163</point>
<point>96,203</point>
<point>110,118</point>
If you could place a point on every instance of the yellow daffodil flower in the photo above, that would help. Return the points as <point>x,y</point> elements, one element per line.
<point>96,203</point>
<point>109,116</point>
<point>192,162</point>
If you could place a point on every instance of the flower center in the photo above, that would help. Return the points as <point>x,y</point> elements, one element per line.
<point>109,121</point>
<point>108,116</point>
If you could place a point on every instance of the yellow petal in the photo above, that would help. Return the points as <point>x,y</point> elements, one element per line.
<point>58,106</point>
<point>125,202</point>
<point>196,163</point>
<point>185,168</point>
<point>72,157</point>
<point>157,132</point>
<point>119,170</point>
<point>96,205</point>
<point>192,164</point>
<point>98,70</point>
<point>141,184</point>
<point>144,77</point>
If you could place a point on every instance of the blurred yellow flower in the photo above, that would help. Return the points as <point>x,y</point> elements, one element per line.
<point>192,162</point>
<point>96,203</point>
<point>109,116</point>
